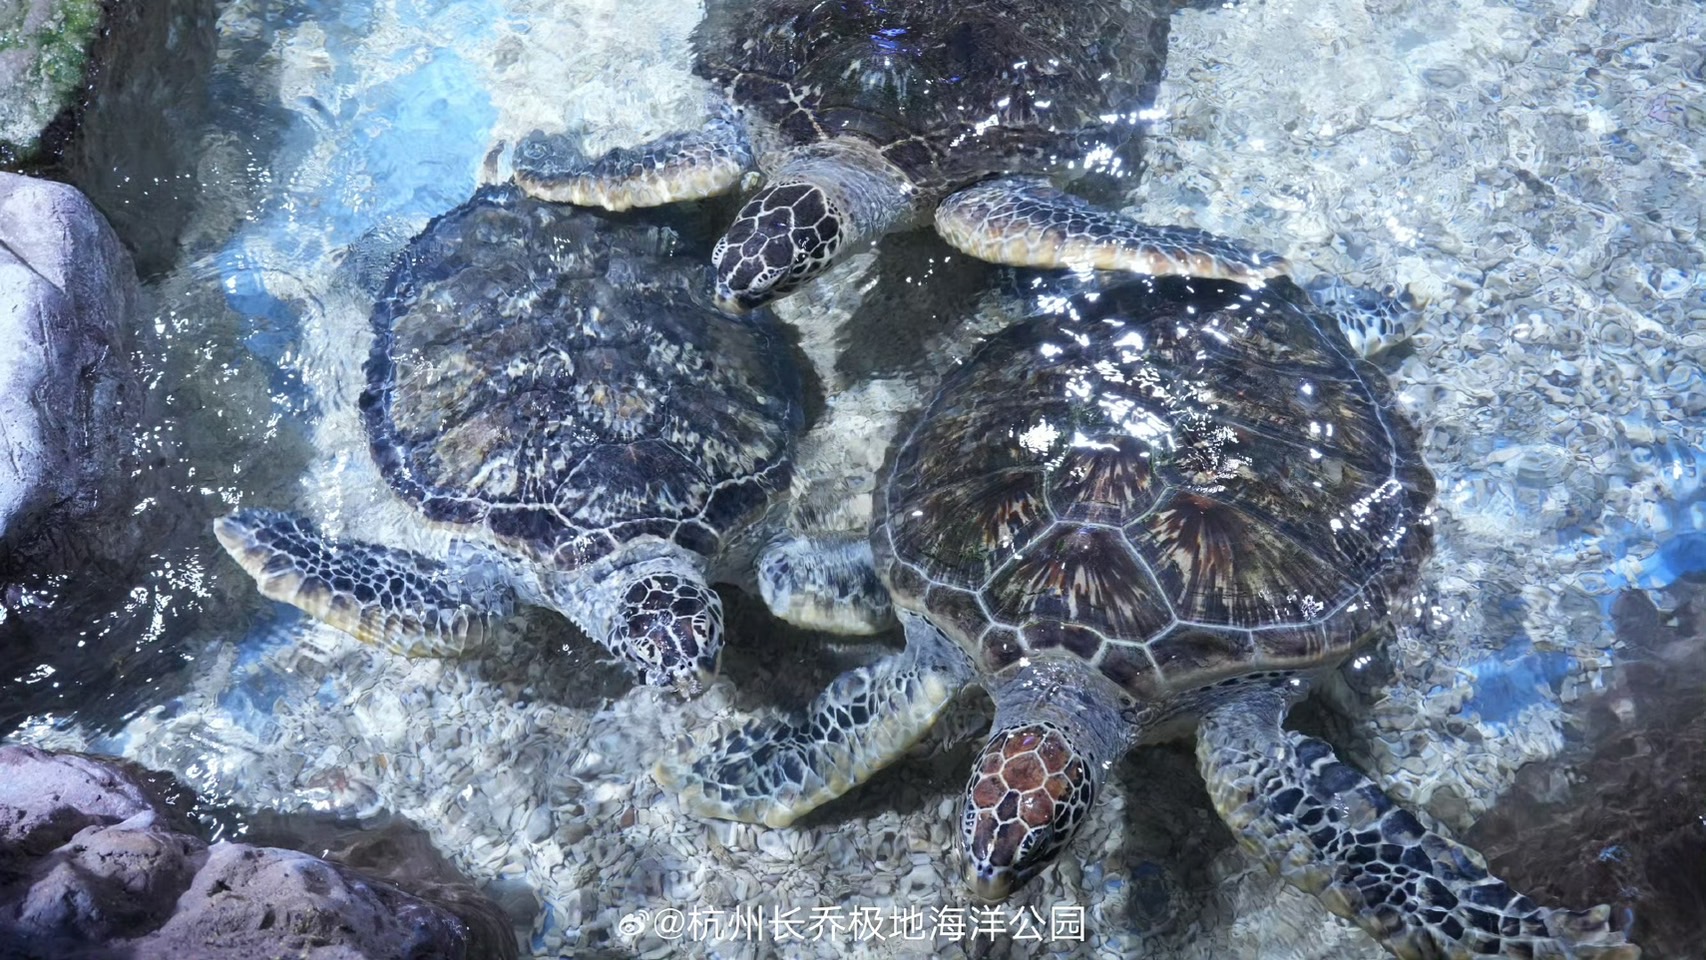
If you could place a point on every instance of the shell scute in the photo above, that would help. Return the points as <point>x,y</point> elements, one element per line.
<point>1079,575</point>
<point>956,611</point>
<point>1077,640</point>
<point>1107,484</point>
<point>1197,651</point>
<point>962,88</point>
<point>1002,513</point>
<point>1220,564</point>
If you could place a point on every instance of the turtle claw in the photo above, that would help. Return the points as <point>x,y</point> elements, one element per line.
<point>681,166</point>
<point>1027,222</point>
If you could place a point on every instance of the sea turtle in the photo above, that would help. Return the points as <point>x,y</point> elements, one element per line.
<point>868,117</point>
<point>1157,506</point>
<point>549,383</point>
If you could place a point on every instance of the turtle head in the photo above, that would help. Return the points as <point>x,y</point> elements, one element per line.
<point>785,235</point>
<point>668,625</point>
<point>821,201</point>
<point>1059,727</point>
<point>1027,797</point>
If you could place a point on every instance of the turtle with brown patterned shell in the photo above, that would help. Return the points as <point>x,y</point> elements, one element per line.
<point>1152,508</point>
<point>868,117</point>
<point>549,384</point>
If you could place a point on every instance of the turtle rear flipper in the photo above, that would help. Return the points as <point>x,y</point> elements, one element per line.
<point>401,601</point>
<point>1026,222</point>
<point>680,166</point>
<point>1330,831</point>
<point>775,770</point>
<point>824,583</point>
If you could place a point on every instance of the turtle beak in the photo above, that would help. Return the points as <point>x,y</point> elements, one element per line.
<point>728,302</point>
<point>691,683</point>
<point>992,884</point>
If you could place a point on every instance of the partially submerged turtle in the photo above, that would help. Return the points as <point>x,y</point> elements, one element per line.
<point>548,384</point>
<point>868,117</point>
<point>1157,507</point>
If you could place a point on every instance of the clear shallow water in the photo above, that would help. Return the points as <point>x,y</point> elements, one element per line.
<point>1530,172</point>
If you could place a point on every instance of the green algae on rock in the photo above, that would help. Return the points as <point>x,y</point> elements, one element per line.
<point>44,48</point>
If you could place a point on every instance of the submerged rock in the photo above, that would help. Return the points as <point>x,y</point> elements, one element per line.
<point>96,862</point>
<point>68,391</point>
<point>1629,782</point>
<point>44,53</point>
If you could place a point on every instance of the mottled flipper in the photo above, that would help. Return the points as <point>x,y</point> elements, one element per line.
<point>1026,222</point>
<point>1330,831</point>
<point>824,583</point>
<point>680,166</point>
<point>775,770</point>
<point>394,599</point>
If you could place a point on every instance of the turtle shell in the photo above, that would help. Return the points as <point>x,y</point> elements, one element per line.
<point>554,376</point>
<point>1175,480</point>
<point>950,89</point>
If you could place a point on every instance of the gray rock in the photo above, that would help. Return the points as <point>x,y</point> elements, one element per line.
<point>46,798</point>
<point>42,61</point>
<point>95,862</point>
<point>107,883</point>
<point>262,901</point>
<point>69,395</point>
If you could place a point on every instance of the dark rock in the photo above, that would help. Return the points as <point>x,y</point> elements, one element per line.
<point>392,849</point>
<point>95,862</point>
<point>107,883</point>
<point>263,901</point>
<point>45,799</point>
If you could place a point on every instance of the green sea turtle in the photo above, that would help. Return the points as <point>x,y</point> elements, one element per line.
<point>1154,507</point>
<point>549,384</point>
<point>868,117</point>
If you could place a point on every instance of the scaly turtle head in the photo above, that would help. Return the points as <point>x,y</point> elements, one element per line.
<point>668,626</point>
<point>1026,799</point>
<point>785,235</point>
<point>656,614</point>
<point>820,202</point>
<point>1059,727</point>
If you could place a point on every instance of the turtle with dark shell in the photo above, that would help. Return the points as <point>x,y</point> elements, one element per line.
<point>868,117</point>
<point>550,385</point>
<point>1158,507</point>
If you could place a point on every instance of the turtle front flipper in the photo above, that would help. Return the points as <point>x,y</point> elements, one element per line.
<point>1330,831</point>
<point>777,769</point>
<point>401,601</point>
<point>681,166</point>
<point>1027,222</point>
<point>824,583</point>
